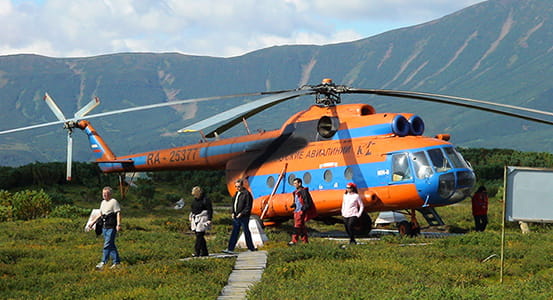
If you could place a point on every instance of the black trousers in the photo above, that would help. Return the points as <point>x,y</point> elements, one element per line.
<point>200,248</point>
<point>349,223</point>
<point>480,222</point>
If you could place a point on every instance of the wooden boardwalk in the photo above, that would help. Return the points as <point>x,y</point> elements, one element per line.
<point>248,270</point>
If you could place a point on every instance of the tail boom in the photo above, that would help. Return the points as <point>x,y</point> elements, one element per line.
<point>203,156</point>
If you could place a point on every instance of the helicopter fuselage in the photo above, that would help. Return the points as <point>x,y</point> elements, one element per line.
<point>385,154</point>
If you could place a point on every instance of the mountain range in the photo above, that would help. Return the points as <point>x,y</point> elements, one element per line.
<point>497,50</point>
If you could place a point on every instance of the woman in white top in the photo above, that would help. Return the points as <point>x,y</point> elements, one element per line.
<point>352,208</point>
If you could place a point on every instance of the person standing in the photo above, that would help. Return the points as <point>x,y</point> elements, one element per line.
<point>241,209</point>
<point>201,212</point>
<point>110,217</point>
<point>480,208</point>
<point>304,210</point>
<point>352,208</point>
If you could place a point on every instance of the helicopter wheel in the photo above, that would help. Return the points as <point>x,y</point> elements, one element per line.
<point>404,228</point>
<point>408,229</point>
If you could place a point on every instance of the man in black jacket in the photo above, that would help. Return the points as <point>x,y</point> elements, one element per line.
<point>241,210</point>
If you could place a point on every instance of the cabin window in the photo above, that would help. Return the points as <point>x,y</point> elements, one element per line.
<point>327,126</point>
<point>348,173</point>
<point>328,176</point>
<point>291,178</point>
<point>307,178</point>
<point>422,167</point>
<point>400,167</point>
<point>271,182</point>
<point>456,158</point>
<point>439,161</point>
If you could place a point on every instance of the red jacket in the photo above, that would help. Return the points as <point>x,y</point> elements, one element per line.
<point>480,204</point>
<point>308,207</point>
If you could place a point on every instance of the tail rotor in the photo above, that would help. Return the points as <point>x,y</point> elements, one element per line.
<point>70,124</point>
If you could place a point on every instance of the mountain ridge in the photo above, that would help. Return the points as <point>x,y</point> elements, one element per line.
<point>497,50</point>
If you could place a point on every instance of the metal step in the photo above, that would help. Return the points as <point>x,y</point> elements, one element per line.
<point>431,216</point>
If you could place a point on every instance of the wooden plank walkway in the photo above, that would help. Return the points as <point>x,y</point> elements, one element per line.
<point>248,270</point>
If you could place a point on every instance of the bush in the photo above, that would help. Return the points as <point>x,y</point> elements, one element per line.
<point>6,213</point>
<point>29,205</point>
<point>60,198</point>
<point>6,208</point>
<point>145,193</point>
<point>172,198</point>
<point>69,211</point>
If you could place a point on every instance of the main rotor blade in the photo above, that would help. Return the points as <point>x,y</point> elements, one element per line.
<point>54,107</point>
<point>470,103</point>
<point>151,106</point>
<point>69,154</point>
<point>87,108</point>
<point>233,116</point>
<point>31,127</point>
<point>138,108</point>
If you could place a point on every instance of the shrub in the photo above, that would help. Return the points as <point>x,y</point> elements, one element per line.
<point>6,209</point>
<point>6,213</point>
<point>69,211</point>
<point>171,198</point>
<point>145,194</point>
<point>29,205</point>
<point>5,197</point>
<point>60,198</point>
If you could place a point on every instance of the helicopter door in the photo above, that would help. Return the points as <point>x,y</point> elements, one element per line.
<point>402,174</point>
<point>401,171</point>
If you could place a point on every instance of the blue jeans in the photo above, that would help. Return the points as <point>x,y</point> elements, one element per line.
<point>236,224</point>
<point>109,245</point>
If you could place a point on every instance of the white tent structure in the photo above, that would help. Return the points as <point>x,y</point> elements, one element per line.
<point>388,217</point>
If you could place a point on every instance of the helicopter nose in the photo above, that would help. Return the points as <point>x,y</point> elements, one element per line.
<point>455,186</point>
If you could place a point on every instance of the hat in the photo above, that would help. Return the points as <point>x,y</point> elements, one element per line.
<point>351,184</point>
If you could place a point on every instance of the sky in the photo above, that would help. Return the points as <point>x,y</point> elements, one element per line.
<point>84,28</point>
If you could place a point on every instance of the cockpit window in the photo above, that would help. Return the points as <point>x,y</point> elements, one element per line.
<point>400,167</point>
<point>422,167</point>
<point>456,159</point>
<point>439,161</point>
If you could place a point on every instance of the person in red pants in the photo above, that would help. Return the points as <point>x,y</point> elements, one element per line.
<point>304,210</point>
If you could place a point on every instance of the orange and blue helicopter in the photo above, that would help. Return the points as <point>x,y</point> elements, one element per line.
<point>395,167</point>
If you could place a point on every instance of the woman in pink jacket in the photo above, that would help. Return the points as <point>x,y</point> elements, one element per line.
<point>352,208</point>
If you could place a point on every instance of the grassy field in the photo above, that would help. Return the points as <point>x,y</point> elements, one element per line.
<point>54,258</point>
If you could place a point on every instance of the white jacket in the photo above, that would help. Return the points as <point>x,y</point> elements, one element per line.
<point>199,222</point>
<point>352,205</point>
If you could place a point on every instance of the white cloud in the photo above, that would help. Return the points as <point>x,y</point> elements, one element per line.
<point>218,28</point>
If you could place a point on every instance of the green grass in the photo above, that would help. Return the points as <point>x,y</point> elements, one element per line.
<point>54,258</point>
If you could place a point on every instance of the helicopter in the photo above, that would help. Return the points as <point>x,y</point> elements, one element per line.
<point>395,167</point>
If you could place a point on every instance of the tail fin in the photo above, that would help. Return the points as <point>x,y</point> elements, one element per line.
<point>101,150</point>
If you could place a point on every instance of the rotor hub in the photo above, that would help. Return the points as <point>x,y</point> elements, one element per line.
<point>328,93</point>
